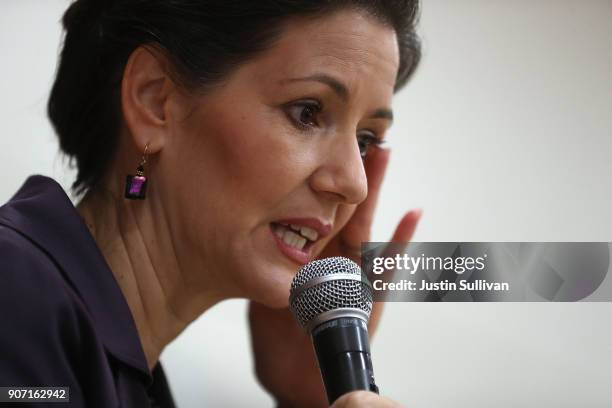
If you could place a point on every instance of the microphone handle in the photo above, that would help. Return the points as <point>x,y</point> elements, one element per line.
<point>343,353</point>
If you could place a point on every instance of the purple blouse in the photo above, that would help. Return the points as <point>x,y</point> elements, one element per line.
<point>64,320</point>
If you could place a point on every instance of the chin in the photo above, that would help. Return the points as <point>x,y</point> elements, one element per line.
<point>272,287</point>
<point>264,272</point>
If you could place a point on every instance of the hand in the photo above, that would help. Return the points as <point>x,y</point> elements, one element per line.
<point>285,362</point>
<point>348,241</point>
<point>364,399</point>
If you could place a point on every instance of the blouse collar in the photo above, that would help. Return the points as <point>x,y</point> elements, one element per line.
<point>43,212</point>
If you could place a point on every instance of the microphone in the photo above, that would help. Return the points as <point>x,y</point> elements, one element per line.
<point>330,299</point>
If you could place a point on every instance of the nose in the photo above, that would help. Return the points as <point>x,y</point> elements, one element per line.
<point>341,172</point>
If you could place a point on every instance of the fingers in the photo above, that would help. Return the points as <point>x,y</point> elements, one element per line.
<point>363,399</point>
<point>407,225</point>
<point>375,167</point>
<point>403,234</point>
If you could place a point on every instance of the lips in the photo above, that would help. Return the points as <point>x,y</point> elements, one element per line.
<point>296,236</point>
<point>322,228</point>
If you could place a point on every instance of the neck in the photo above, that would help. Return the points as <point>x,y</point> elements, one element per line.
<point>139,249</point>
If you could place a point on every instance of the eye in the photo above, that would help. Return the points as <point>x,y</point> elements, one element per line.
<point>366,141</point>
<point>303,114</point>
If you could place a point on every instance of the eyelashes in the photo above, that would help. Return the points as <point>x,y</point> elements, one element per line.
<point>366,142</point>
<point>304,116</point>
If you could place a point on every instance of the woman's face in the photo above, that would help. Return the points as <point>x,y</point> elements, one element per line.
<point>271,148</point>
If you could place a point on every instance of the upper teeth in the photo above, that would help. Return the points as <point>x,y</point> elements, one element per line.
<point>291,238</point>
<point>309,233</point>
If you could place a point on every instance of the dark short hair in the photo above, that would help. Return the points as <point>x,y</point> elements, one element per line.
<point>204,41</point>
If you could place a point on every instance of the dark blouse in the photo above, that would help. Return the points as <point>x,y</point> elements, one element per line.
<point>63,318</point>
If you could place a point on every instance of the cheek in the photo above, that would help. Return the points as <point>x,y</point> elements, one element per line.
<point>238,170</point>
<point>247,158</point>
<point>343,214</point>
<point>235,170</point>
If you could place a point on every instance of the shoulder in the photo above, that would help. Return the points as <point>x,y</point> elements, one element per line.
<point>42,323</point>
<point>30,279</point>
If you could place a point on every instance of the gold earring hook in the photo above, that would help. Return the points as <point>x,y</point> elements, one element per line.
<point>140,169</point>
<point>144,155</point>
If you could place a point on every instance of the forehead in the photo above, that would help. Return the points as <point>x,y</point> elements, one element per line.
<point>347,44</point>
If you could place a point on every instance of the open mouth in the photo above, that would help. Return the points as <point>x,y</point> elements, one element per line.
<point>299,237</point>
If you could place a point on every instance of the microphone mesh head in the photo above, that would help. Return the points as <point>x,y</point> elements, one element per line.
<point>308,302</point>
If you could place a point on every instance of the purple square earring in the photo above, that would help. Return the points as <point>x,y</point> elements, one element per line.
<point>136,186</point>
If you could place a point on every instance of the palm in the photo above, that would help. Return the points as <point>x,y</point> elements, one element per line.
<point>284,357</point>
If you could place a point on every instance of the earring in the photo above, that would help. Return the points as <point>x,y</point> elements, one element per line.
<point>136,186</point>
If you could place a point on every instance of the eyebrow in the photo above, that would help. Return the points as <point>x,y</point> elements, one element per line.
<point>342,91</point>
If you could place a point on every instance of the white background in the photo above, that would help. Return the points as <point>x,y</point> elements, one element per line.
<point>505,134</point>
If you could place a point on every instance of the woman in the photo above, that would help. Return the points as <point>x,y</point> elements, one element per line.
<point>255,129</point>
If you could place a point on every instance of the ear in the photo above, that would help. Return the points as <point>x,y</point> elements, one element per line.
<point>145,88</point>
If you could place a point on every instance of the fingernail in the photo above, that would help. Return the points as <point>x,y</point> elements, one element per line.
<point>418,212</point>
